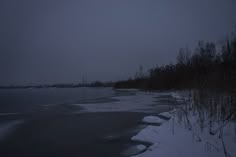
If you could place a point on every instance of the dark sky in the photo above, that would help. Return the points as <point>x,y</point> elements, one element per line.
<point>56,41</point>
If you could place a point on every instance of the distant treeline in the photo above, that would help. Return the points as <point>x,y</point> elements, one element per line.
<point>93,84</point>
<point>204,68</point>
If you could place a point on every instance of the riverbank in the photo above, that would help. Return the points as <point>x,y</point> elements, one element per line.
<point>181,135</point>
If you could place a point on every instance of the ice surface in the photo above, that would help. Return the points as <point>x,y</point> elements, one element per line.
<point>8,127</point>
<point>6,114</point>
<point>141,102</point>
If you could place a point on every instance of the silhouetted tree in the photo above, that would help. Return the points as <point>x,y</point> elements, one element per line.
<point>205,68</point>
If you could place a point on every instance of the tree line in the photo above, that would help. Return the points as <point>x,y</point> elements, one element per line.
<point>207,67</point>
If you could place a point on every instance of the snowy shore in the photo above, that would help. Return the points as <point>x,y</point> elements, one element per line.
<point>174,137</point>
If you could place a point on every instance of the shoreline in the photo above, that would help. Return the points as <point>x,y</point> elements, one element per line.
<point>195,141</point>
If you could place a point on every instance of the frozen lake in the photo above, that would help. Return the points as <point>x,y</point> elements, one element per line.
<point>74,121</point>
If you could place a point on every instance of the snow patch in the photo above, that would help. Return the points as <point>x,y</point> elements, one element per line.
<point>166,114</point>
<point>176,95</point>
<point>153,119</point>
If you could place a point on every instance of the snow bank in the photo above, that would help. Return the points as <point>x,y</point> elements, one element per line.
<point>173,139</point>
<point>7,128</point>
<point>148,134</point>
<point>153,119</point>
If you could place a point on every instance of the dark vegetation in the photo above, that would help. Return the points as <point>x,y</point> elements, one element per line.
<point>204,68</point>
<point>65,85</point>
<point>209,75</point>
<point>214,111</point>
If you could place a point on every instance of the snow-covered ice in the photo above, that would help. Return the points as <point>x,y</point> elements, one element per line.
<point>153,119</point>
<point>140,102</point>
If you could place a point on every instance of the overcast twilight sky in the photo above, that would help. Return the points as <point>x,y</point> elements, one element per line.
<point>60,41</point>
